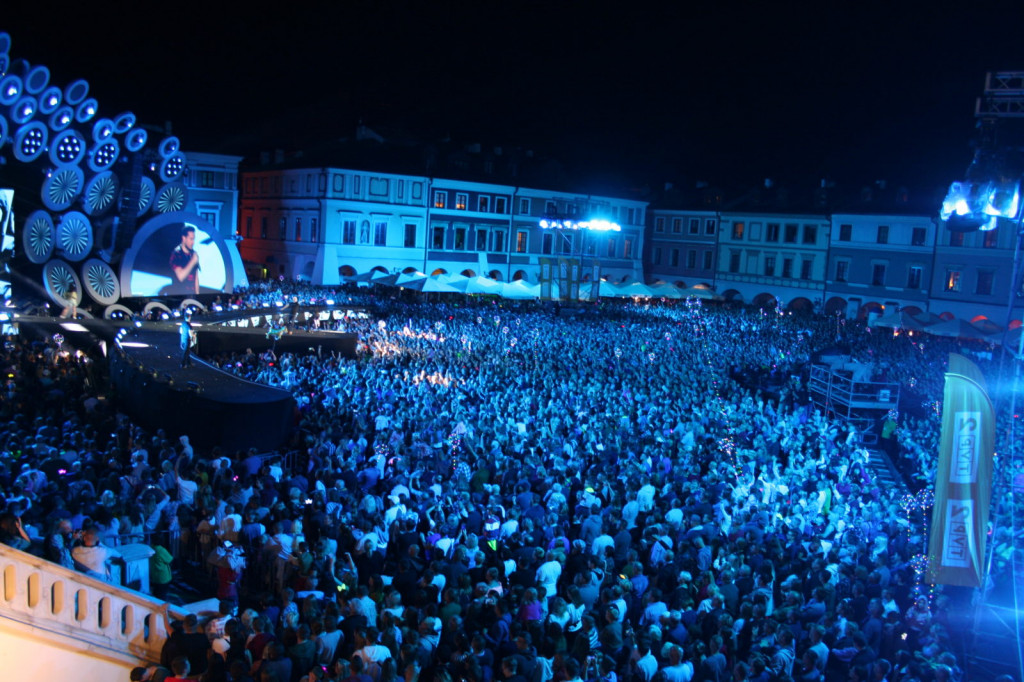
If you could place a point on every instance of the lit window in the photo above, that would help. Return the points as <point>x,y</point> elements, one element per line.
<point>522,242</point>
<point>440,199</point>
<point>990,239</point>
<point>953,278</point>
<point>461,201</point>
<point>737,230</point>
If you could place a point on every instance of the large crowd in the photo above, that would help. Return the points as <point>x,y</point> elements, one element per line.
<point>515,491</point>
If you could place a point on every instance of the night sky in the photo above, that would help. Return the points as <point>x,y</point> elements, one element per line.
<point>731,94</point>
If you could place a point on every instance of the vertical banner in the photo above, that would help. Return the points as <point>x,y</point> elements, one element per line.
<point>545,279</point>
<point>482,263</point>
<point>595,281</point>
<point>563,279</point>
<point>963,484</point>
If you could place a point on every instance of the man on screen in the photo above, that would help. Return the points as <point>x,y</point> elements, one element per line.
<point>185,263</point>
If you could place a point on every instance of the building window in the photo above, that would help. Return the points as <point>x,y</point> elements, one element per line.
<point>878,275</point>
<point>990,239</point>
<point>206,178</point>
<point>282,228</point>
<point>547,243</point>
<point>481,240</point>
<point>772,232</point>
<point>348,232</point>
<point>985,280</point>
<point>263,227</point>
<point>659,224</point>
<point>787,267</point>
<point>709,226</point>
<point>953,278</point>
<point>656,257</point>
<point>956,238</point>
<point>769,266</point>
<point>918,236</point>
<point>805,269</point>
<point>460,239</point>
<point>694,225</point>
<point>461,201</point>
<point>524,207</point>
<point>707,260</point>
<point>438,240</point>
<point>737,230</point>
<point>755,232</point>
<point>356,183</point>
<point>440,199</point>
<point>248,226</point>
<point>499,241</point>
<point>522,241</point>
<point>674,262</point>
<point>610,251</point>
<point>691,259</point>
<point>882,237</point>
<point>483,203</point>
<point>298,229</point>
<point>314,230</point>
<point>791,231</point>
<point>677,225</point>
<point>627,248</point>
<point>410,235</point>
<point>734,262</point>
<point>500,205</point>
<point>810,234</point>
<point>842,270</point>
<point>914,276</point>
<point>550,208</point>
<point>845,232</point>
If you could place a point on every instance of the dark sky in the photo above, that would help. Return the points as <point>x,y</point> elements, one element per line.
<point>738,91</point>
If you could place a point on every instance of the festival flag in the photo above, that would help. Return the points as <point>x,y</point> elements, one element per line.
<point>963,484</point>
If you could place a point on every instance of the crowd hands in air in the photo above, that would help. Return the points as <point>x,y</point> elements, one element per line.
<point>504,491</point>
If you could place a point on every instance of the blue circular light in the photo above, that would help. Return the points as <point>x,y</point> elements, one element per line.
<point>136,140</point>
<point>172,167</point>
<point>30,141</point>
<point>67,148</point>
<point>103,155</point>
<point>124,122</point>
<point>11,88</point>
<point>86,109</point>
<point>169,146</point>
<point>50,99</point>
<point>77,91</point>
<point>102,129</point>
<point>61,118</point>
<point>36,80</point>
<point>23,110</point>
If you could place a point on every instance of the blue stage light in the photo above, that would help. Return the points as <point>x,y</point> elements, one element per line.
<point>67,148</point>
<point>172,167</point>
<point>124,122</point>
<point>61,118</point>
<point>30,141</point>
<point>11,89</point>
<point>169,146</point>
<point>102,156</point>
<point>76,92</point>
<point>136,140</point>
<point>86,110</point>
<point>49,100</point>
<point>102,130</point>
<point>36,79</point>
<point>24,109</point>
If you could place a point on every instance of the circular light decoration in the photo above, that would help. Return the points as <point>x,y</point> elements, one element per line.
<point>62,187</point>
<point>58,277</point>
<point>5,63</point>
<point>67,148</point>
<point>11,88</point>
<point>100,281</point>
<point>61,118</point>
<point>171,197</point>
<point>102,156</point>
<point>118,312</point>
<point>24,109</point>
<point>36,80</point>
<point>38,237</point>
<point>172,168</point>
<point>74,235</point>
<point>101,193</point>
<point>136,140</point>
<point>147,192</point>
<point>49,100</point>
<point>5,42</point>
<point>30,141</point>
<point>76,91</point>
<point>124,122</point>
<point>169,146</point>
<point>102,130</point>
<point>86,110</point>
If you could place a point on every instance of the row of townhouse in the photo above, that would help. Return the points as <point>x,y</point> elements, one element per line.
<point>321,224</point>
<point>854,263</point>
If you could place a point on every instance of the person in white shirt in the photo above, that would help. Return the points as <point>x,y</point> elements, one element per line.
<point>92,557</point>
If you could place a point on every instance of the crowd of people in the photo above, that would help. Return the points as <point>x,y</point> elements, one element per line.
<point>514,491</point>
